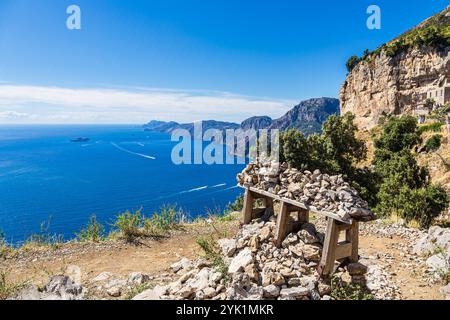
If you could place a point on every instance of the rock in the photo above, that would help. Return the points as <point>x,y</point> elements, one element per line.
<point>200,281</point>
<point>114,292</point>
<point>265,234</point>
<point>356,269</point>
<point>296,292</point>
<point>152,294</point>
<point>138,278</point>
<point>243,259</point>
<point>102,277</point>
<point>58,288</point>
<point>437,238</point>
<point>183,264</point>
<point>250,270</point>
<point>307,237</point>
<point>209,292</point>
<point>438,263</point>
<point>324,289</point>
<point>311,252</point>
<point>278,279</point>
<point>446,291</point>
<point>228,246</point>
<point>271,291</point>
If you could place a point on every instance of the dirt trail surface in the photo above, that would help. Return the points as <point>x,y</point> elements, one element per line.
<point>390,250</point>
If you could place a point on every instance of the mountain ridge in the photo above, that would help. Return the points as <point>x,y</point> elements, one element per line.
<point>308,117</point>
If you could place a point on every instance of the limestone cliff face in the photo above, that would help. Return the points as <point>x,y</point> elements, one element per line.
<point>393,85</point>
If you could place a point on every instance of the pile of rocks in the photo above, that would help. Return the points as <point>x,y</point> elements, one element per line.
<point>321,192</point>
<point>436,246</point>
<point>253,268</point>
<point>58,288</point>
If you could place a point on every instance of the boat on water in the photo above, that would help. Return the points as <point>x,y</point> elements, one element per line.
<point>80,139</point>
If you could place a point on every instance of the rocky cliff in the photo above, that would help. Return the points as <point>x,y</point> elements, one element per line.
<point>395,78</point>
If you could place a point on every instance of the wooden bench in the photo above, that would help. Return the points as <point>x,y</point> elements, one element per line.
<point>333,249</point>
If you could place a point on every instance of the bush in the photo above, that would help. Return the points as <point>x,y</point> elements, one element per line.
<point>398,134</point>
<point>236,205</point>
<point>130,225</point>
<point>94,231</point>
<point>434,143</point>
<point>405,189</point>
<point>421,205</point>
<point>432,127</point>
<point>133,226</point>
<point>213,254</point>
<point>351,63</point>
<point>341,290</point>
<point>8,289</point>
<point>160,223</point>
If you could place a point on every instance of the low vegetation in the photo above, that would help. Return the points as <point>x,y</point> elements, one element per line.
<point>394,184</point>
<point>435,32</point>
<point>213,254</point>
<point>7,288</point>
<point>132,226</point>
<point>341,290</point>
<point>94,231</point>
<point>434,143</point>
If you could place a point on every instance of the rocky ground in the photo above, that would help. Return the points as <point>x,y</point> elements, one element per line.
<point>396,263</point>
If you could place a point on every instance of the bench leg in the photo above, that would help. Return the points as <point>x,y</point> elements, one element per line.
<point>329,248</point>
<point>248,207</point>
<point>281,224</point>
<point>352,235</point>
<point>268,203</point>
<point>303,216</point>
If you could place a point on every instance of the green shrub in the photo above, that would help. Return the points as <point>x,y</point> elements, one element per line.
<point>236,205</point>
<point>351,63</point>
<point>404,186</point>
<point>341,290</point>
<point>434,143</point>
<point>398,133</point>
<point>44,237</point>
<point>160,223</point>
<point>8,289</point>
<point>212,253</point>
<point>130,225</point>
<point>5,249</point>
<point>133,226</point>
<point>94,231</point>
<point>432,127</point>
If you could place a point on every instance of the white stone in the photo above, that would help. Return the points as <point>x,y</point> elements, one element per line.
<point>243,259</point>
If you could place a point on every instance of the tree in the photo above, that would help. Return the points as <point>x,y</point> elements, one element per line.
<point>351,63</point>
<point>398,134</point>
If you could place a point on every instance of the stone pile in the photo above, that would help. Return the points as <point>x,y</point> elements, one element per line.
<point>321,192</point>
<point>253,268</point>
<point>59,287</point>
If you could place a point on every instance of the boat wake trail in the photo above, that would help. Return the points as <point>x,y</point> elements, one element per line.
<point>219,185</point>
<point>133,153</point>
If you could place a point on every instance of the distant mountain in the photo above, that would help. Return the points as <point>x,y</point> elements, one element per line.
<point>169,127</point>
<point>308,117</point>
<point>257,123</point>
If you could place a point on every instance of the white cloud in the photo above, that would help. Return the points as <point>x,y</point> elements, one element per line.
<point>98,105</point>
<point>13,115</point>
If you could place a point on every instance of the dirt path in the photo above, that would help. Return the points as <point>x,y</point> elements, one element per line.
<point>155,257</point>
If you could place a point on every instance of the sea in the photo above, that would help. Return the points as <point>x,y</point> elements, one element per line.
<point>53,185</point>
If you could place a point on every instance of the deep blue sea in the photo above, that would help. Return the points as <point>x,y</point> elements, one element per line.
<point>45,177</point>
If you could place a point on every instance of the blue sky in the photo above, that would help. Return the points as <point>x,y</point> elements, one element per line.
<point>133,61</point>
